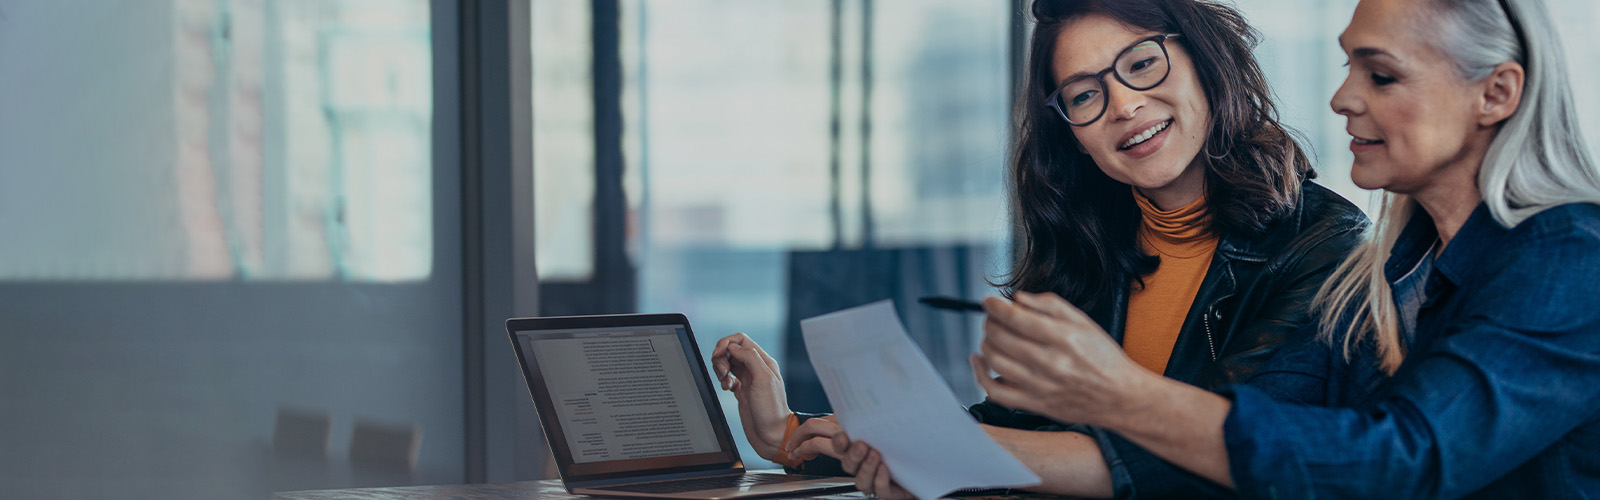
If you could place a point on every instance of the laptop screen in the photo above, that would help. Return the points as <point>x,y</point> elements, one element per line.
<point>624,397</point>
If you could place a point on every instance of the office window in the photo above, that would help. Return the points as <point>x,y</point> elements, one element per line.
<point>765,138</point>
<point>940,104</point>
<point>217,140</point>
<point>726,143</point>
<point>1300,55</point>
<point>563,140</point>
<point>727,123</point>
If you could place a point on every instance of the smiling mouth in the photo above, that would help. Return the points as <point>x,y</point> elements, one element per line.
<point>1365,142</point>
<point>1144,136</point>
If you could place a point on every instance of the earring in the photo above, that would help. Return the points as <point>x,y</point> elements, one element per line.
<point>1213,157</point>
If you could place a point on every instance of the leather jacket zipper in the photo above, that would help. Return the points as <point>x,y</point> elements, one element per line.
<point>1210,341</point>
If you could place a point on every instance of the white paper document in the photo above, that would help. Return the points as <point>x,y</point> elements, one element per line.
<point>886,393</point>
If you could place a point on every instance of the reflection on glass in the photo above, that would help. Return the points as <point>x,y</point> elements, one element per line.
<point>217,139</point>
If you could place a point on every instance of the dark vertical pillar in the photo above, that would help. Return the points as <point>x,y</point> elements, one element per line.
<point>1018,50</point>
<point>615,276</point>
<point>470,62</point>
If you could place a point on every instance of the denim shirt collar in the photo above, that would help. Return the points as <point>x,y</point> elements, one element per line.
<point>1478,235</point>
<point>1415,240</point>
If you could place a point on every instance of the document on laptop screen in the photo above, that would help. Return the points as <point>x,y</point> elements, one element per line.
<point>624,394</point>
<point>887,394</point>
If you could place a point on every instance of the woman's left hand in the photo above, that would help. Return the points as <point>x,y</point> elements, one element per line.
<point>1052,359</point>
<point>866,464</point>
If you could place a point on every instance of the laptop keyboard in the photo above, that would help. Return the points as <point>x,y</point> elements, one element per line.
<point>708,483</point>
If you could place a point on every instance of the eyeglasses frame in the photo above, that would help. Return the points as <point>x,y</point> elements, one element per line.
<point>1161,41</point>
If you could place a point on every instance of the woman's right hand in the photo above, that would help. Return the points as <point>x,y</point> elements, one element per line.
<point>753,377</point>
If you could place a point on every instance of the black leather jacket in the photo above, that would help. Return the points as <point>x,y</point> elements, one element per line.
<point>1257,292</point>
<point>1255,298</point>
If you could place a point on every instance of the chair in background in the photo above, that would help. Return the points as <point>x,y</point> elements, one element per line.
<point>300,438</point>
<point>301,433</point>
<point>384,453</point>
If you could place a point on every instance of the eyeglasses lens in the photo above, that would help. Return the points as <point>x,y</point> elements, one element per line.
<point>1141,67</point>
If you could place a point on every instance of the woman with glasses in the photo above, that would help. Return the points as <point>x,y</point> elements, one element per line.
<point>1154,186</point>
<point>1459,353</point>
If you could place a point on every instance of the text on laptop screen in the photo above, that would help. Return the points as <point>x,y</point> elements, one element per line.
<point>623,393</point>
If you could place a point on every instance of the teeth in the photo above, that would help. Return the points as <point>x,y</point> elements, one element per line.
<point>1146,135</point>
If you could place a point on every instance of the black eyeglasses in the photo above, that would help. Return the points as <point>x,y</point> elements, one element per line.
<point>1142,66</point>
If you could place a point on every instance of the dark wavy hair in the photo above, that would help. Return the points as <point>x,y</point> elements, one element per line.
<point>1077,227</point>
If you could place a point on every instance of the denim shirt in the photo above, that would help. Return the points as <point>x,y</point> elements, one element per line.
<point>1498,395</point>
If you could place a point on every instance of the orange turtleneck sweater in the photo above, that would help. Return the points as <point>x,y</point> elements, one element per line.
<point>1183,239</point>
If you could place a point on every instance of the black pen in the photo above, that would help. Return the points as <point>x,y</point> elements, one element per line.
<point>951,303</point>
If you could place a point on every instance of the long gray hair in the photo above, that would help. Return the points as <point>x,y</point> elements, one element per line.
<point>1536,160</point>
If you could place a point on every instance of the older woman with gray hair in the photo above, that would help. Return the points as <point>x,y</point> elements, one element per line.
<point>1459,346</point>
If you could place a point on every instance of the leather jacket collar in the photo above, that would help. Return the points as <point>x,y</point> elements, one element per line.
<point>1288,247</point>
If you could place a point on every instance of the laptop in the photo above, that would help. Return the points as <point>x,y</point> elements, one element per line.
<point>628,408</point>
